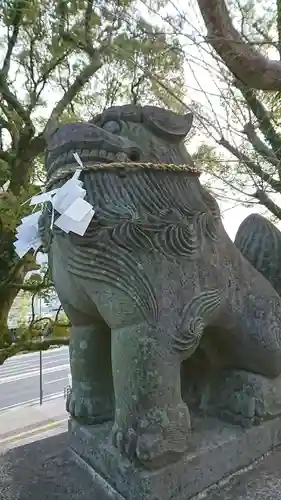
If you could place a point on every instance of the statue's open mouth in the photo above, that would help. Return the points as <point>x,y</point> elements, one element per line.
<point>91,156</point>
<point>103,156</point>
<point>91,143</point>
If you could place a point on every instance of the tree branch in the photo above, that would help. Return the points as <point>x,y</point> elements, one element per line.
<point>9,123</point>
<point>43,78</point>
<point>263,118</point>
<point>245,63</point>
<point>79,82</point>
<point>53,63</point>
<point>88,15</point>
<point>259,146</point>
<point>268,203</point>
<point>256,169</point>
<point>18,8</point>
<point>266,38</point>
<point>4,124</point>
<point>14,103</point>
<point>7,157</point>
<point>36,146</point>
<point>31,288</point>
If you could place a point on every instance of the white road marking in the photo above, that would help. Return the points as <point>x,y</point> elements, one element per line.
<point>20,357</point>
<point>21,370</point>
<point>23,363</point>
<point>32,373</point>
<point>54,361</point>
<point>25,366</point>
<point>32,401</point>
<point>56,380</point>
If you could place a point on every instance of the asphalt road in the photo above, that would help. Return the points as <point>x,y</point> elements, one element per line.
<point>20,377</point>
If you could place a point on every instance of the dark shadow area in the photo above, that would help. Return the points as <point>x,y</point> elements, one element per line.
<point>196,372</point>
<point>43,470</point>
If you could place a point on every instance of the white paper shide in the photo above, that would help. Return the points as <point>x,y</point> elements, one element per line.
<point>27,234</point>
<point>75,213</point>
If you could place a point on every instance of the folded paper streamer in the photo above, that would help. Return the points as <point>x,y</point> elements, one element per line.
<point>68,200</point>
<point>27,234</point>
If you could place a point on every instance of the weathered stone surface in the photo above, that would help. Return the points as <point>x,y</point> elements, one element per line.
<point>262,482</point>
<point>167,314</point>
<point>260,242</point>
<point>242,397</point>
<point>216,449</point>
<point>48,466</point>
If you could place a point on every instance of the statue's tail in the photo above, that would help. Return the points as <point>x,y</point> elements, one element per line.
<point>260,242</point>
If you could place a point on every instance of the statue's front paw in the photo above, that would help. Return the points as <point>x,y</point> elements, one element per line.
<point>155,438</point>
<point>247,398</point>
<point>87,408</point>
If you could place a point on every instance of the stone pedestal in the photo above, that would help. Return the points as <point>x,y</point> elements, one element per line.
<point>217,449</point>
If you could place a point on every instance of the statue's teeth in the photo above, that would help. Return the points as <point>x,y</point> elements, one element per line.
<point>121,157</point>
<point>111,156</point>
<point>101,154</point>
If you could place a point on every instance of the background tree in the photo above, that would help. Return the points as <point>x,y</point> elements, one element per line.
<point>237,139</point>
<point>65,60</point>
<point>247,50</point>
<point>239,53</point>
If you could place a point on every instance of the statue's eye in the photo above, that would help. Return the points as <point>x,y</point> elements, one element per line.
<point>112,127</point>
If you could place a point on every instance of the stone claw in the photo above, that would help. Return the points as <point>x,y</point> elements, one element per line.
<point>156,438</point>
<point>247,398</point>
<point>84,408</point>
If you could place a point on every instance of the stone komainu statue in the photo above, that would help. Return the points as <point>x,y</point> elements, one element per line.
<point>166,312</point>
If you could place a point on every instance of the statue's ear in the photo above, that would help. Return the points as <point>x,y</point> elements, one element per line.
<point>166,123</point>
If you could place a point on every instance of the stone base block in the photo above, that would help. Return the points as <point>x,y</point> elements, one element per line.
<point>217,449</point>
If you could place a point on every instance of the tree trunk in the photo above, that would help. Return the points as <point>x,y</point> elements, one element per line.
<point>12,273</point>
<point>243,60</point>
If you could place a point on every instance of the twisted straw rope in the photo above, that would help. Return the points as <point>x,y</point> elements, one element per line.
<point>63,172</point>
